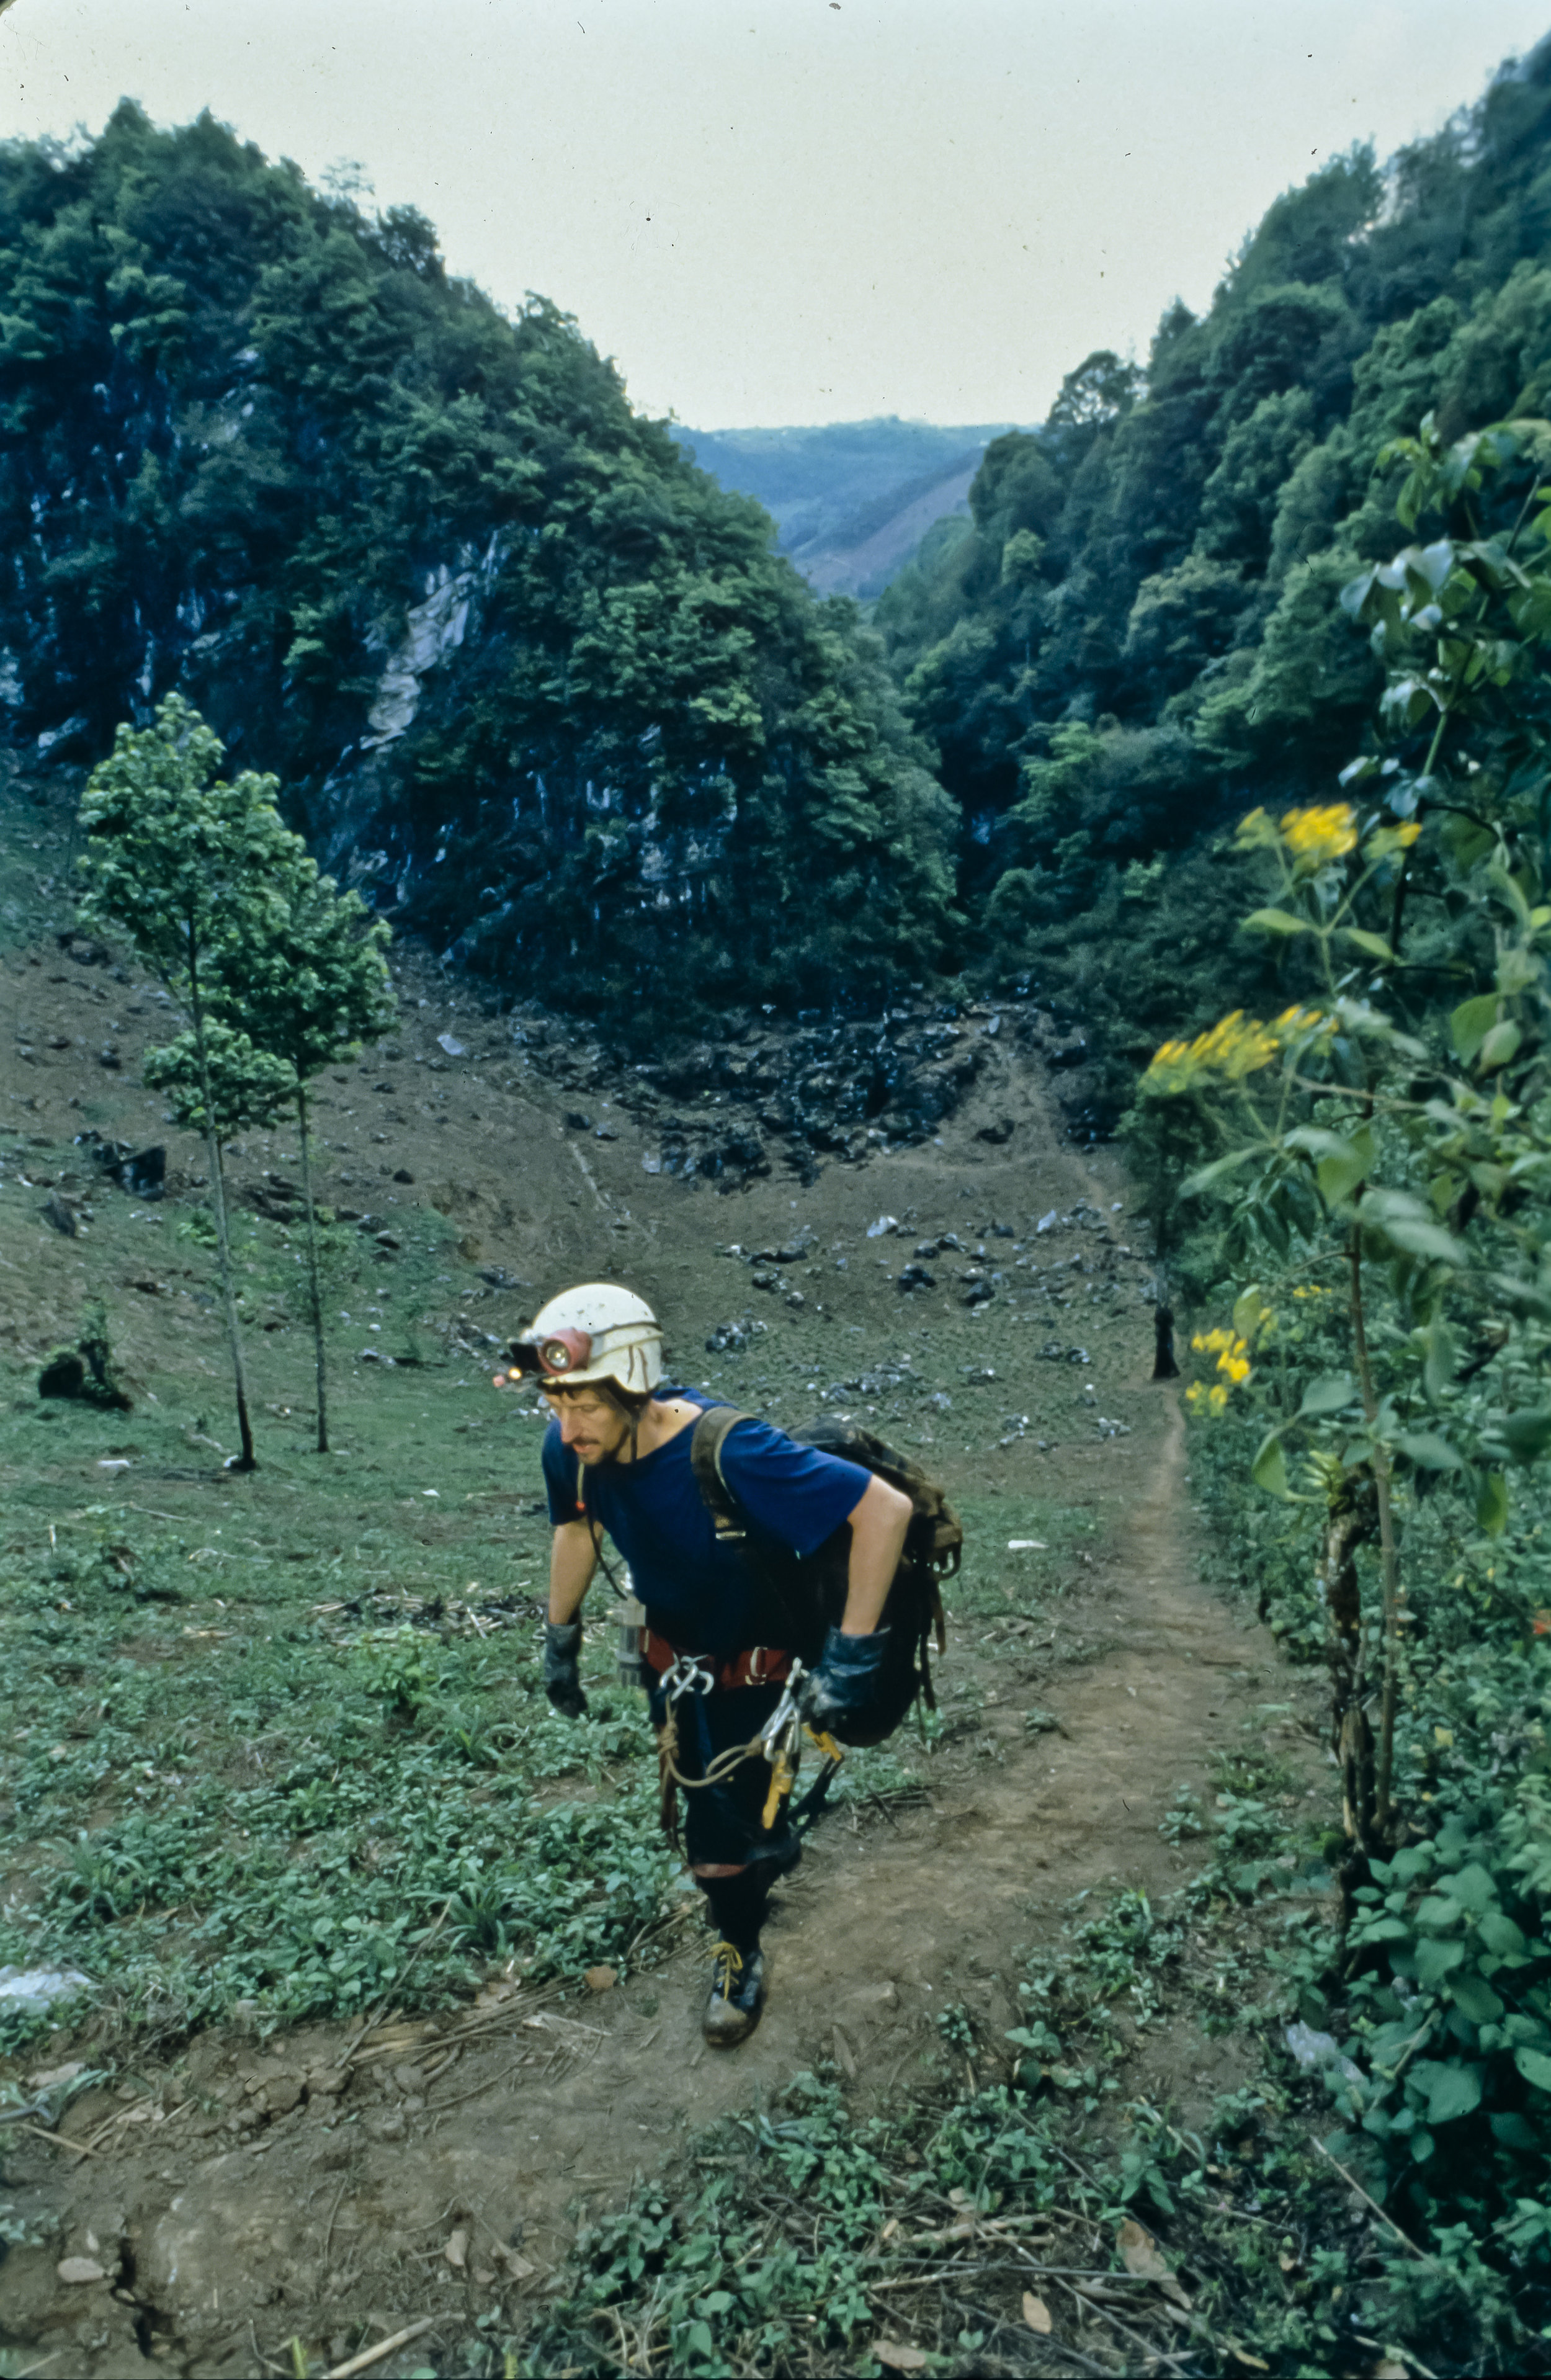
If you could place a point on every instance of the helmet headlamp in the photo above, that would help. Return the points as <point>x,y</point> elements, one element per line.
<point>554,1356</point>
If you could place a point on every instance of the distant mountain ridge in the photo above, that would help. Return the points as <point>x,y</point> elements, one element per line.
<point>853,499</point>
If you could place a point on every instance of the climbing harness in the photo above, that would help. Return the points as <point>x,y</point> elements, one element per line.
<point>779,1742</point>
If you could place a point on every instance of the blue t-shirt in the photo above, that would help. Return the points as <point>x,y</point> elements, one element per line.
<point>701,1595</point>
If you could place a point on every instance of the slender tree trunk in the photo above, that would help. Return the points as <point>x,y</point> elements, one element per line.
<point>1349,1522</point>
<point>1390,1564</point>
<point>314,1291</point>
<point>247,1460</point>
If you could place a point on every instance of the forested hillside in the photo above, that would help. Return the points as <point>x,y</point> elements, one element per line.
<point>852,498</point>
<point>550,695</point>
<point>1140,637</point>
<point>526,675</point>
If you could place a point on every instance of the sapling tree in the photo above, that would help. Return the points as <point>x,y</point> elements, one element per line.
<point>189,867</point>
<point>313,987</point>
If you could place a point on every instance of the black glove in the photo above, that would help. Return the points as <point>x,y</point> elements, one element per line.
<point>846,1680</point>
<point>563,1646</point>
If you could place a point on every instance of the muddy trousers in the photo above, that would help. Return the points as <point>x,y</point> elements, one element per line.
<point>731,1856</point>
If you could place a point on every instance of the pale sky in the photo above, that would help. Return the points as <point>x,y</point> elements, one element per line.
<point>783,210</point>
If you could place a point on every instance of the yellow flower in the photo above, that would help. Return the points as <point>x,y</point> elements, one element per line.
<point>1237,1045</point>
<point>1315,837</point>
<point>1233,1361</point>
<point>1195,1393</point>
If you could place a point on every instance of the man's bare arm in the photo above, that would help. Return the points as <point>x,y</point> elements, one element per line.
<point>877,1530</point>
<point>572,1560</point>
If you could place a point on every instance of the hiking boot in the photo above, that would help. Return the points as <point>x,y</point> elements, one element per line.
<point>737,2000</point>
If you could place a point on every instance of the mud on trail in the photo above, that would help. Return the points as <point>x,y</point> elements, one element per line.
<point>335,2184</point>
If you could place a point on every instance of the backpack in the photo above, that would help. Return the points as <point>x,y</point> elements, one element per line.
<point>810,1592</point>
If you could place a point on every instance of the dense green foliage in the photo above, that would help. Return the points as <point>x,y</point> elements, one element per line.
<point>535,677</point>
<point>1383,1149</point>
<point>1136,638</point>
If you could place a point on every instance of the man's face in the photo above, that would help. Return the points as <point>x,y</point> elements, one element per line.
<point>592,1426</point>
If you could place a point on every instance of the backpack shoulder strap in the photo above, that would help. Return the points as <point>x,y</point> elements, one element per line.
<point>705,1459</point>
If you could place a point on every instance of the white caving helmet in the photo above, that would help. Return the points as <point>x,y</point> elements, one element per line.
<point>596,1332</point>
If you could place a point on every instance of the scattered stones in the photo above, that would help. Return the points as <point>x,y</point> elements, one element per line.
<point>732,1337</point>
<point>577,1122</point>
<point>403,1175</point>
<point>451,1045</point>
<point>54,2078</point>
<point>77,2271</point>
<point>456,2251</point>
<point>884,1225</point>
<point>36,1988</point>
<point>915,1276</point>
<point>141,1172</point>
<point>62,1217</point>
<point>63,1376</point>
<point>997,1134</point>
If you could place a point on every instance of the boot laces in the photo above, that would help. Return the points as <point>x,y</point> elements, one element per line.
<point>727,1967</point>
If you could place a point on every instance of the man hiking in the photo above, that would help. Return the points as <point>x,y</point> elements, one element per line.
<point>617,1458</point>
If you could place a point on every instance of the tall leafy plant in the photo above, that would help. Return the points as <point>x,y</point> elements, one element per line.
<point>190,868</point>
<point>1385,1142</point>
<point>312,988</point>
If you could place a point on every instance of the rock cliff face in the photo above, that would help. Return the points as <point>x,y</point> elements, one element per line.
<point>527,676</point>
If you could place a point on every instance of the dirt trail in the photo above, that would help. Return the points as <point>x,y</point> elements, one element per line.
<point>342,2208</point>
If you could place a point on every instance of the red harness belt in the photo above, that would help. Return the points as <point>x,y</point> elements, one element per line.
<point>759,1665</point>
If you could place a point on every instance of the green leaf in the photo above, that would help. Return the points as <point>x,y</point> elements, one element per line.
<point>1500,1045</point>
<point>1471,1022</point>
<point>1435,1960</point>
<point>1500,1934</point>
<point>1491,1503</point>
<point>1442,1358</point>
<point>1528,1433</point>
<point>1470,1886</point>
<point>1346,1164</point>
<point>1536,2066</point>
<point>1269,1468</point>
<point>1405,1222</point>
<point>1212,1174</point>
<point>1473,1996</point>
<point>1430,1452</point>
<point>1328,1395</point>
<point>1453,2090</point>
<point>1470,842</point>
<point>1275,921</point>
<point>1375,944</point>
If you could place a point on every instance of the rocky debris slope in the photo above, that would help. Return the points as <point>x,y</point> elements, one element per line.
<point>820,1088</point>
